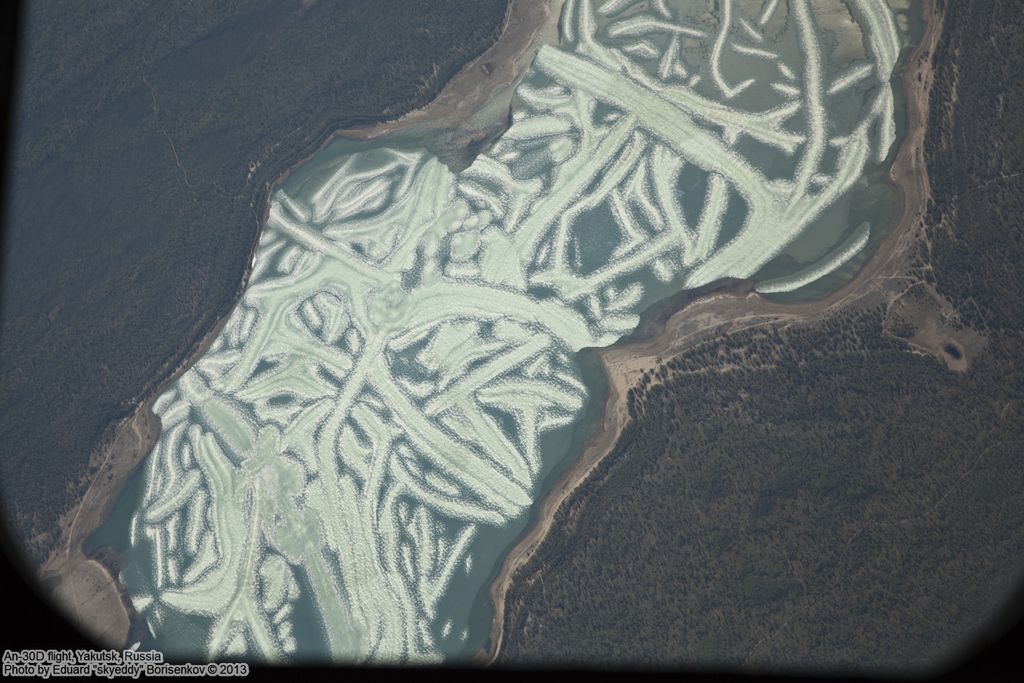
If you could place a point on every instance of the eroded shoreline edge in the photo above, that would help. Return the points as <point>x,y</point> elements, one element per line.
<point>68,569</point>
<point>730,306</point>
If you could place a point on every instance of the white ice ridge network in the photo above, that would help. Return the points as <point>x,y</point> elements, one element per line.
<point>376,402</point>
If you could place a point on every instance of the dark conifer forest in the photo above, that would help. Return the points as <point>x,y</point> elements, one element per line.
<point>824,495</point>
<point>145,136</point>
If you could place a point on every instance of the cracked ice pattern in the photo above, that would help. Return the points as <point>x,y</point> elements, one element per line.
<point>377,398</point>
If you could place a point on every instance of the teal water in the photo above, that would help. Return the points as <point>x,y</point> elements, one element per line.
<point>466,601</point>
<point>874,200</point>
<point>470,595</point>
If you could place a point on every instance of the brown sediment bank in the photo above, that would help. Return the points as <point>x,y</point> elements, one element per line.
<point>86,587</point>
<point>730,308</point>
<point>528,24</point>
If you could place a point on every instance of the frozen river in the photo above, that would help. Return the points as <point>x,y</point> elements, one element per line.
<point>341,472</point>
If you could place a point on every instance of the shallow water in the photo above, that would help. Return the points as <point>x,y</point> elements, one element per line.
<point>608,276</point>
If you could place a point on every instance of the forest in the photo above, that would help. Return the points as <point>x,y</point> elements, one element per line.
<point>823,496</point>
<point>146,137</point>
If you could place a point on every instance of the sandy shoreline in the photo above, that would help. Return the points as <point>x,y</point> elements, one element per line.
<point>525,25</point>
<point>732,310</point>
<point>465,93</point>
<point>528,23</point>
<point>85,587</point>
<point>104,611</point>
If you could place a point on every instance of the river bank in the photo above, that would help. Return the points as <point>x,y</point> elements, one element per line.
<point>86,586</point>
<point>737,307</point>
